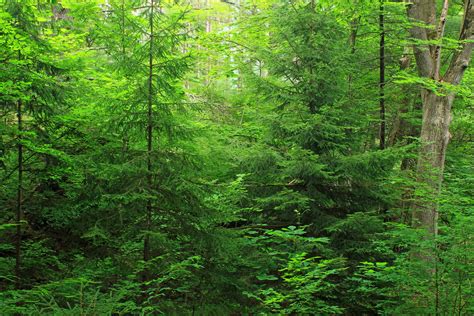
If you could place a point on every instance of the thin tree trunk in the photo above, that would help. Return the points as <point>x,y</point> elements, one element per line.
<point>146,244</point>
<point>400,127</point>
<point>122,24</point>
<point>439,36</point>
<point>19,206</point>
<point>352,44</point>
<point>382,75</point>
<point>207,79</point>
<point>353,35</point>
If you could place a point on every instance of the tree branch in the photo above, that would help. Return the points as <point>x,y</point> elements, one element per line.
<point>422,11</point>
<point>462,57</point>
<point>439,37</point>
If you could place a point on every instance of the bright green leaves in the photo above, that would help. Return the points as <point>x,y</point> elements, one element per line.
<point>300,282</point>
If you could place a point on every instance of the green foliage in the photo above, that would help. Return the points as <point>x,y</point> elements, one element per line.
<point>267,188</point>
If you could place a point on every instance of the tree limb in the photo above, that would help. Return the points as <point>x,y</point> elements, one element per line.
<point>462,57</point>
<point>423,11</point>
<point>439,37</point>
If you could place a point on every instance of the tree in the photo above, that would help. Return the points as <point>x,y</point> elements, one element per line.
<point>32,84</point>
<point>437,94</point>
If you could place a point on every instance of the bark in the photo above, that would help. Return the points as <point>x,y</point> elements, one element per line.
<point>122,26</point>
<point>436,108</point>
<point>402,130</point>
<point>149,209</point>
<point>354,25</point>
<point>19,206</point>
<point>422,12</point>
<point>400,127</point>
<point>382,76</point>
<point>434,139</point>
<point>353,36</point>
<point>439,36</point>
<point>462,56</point>
<point>207,79</point>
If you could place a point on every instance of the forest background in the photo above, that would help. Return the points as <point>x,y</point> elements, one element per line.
<point>236,157</point>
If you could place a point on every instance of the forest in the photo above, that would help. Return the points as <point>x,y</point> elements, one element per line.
<point>236,157</point>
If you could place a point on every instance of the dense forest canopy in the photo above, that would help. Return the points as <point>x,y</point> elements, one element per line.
<point>236,157</point>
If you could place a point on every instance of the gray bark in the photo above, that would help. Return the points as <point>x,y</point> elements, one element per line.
<point>436,108</point>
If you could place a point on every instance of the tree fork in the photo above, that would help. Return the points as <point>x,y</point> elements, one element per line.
<point>436,108</point>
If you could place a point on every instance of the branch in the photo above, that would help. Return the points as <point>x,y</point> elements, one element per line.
<point>231,3</point>
<point>8,175</point>
<point>256,226</point>
<point>439,37</point>
<point>422,11</point>
<point>462,57</point>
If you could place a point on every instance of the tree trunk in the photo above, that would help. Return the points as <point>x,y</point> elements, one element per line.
<point>146,242</point>
<point>400,127</point>
<point>434,140</point>
<point>19,201</point>
<point>436,109</point>
<point>382,75</point>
